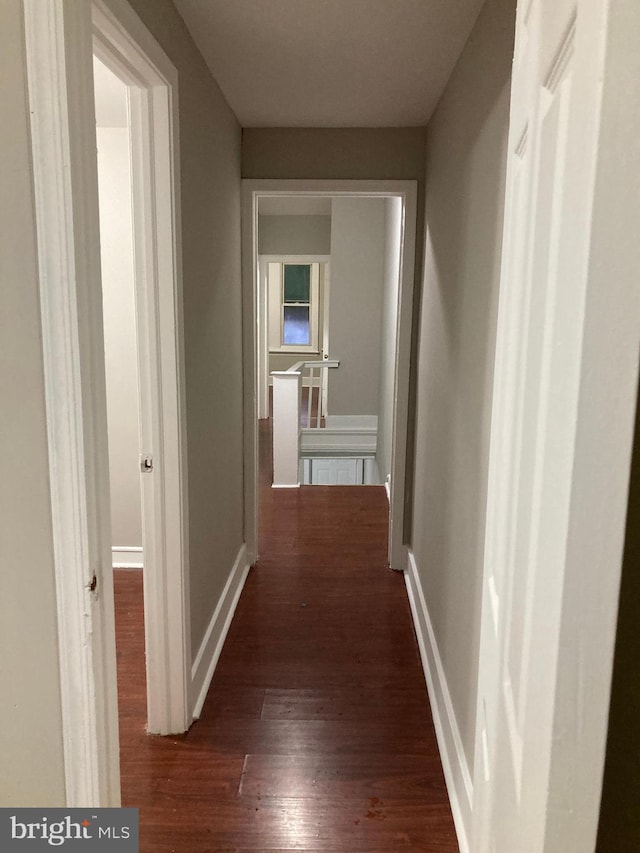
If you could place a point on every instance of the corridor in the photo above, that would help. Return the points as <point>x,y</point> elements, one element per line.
<point>316,733</point>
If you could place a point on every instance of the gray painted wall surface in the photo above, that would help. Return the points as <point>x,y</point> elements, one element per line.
<point>294,235</point>
<point>355,304</point>
<point>210,140</point>
<point>388,332</point>
<point>466,154</point>
<point>31,769</point>
<point>350,153</point>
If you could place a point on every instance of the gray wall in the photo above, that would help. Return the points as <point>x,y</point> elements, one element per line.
<point>210,140</point>
<point>355,304</point>
<point>466,155</point>
<point>294,235</point>
<point>356,153</point>
<point>31,769</point>
<point>388,332</point>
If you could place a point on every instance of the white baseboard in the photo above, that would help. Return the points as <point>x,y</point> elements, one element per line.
<point>454,761</point>
<point>127,557</point>
<point>215,635</point>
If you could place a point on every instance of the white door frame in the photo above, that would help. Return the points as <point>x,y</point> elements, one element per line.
<point>59,49</point>
<point>252,190</point>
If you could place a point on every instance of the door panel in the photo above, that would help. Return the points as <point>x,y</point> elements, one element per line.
<point>550,185</point>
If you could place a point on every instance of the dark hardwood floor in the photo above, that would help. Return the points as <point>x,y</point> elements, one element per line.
<point>316,734</point>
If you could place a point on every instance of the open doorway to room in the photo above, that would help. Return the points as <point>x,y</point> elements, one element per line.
<point>332,284</point>
<point>135,94</point>
<point>122,380</point>
<point>119,316</point>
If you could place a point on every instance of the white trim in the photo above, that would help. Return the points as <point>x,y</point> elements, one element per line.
<point>454,761</point>
<point>124,44</point>
<point>59,69</point>
<point>127,557</point>
<point>251,191</point>
<point>215,635</point>
<point>295,259</point>
<point>313,304</point>
<point>387,488</point>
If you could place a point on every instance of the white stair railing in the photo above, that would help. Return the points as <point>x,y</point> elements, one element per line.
<point>287,405</point>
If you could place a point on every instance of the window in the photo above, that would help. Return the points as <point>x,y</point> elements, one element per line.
<point>294,303</point>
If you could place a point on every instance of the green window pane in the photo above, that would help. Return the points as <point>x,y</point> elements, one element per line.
<point>297,282</point>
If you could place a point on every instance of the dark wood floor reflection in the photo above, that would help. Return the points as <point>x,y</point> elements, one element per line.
<point>316,734</point>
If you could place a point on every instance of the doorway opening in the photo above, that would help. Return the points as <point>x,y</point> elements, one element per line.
<point>334,356</point>
<point>119,316</point>
<point>135,89</point>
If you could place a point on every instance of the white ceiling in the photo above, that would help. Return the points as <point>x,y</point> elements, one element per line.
<point>330,63</point>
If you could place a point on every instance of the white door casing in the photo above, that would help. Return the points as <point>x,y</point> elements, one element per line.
<point>58,38</point>
<point>253,306</point>
<point>558,467</point>
<point>58,50</point>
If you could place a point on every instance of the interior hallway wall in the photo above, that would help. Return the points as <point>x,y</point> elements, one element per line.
<point>32,765</point>
<point>355,304</point>
<point>294,235</point>
<point>466,164</point>
<point>210,142</point>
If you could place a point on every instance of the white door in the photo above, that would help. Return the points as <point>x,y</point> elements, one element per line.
<point>552,552</point>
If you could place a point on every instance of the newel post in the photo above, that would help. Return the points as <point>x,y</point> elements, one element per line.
<point>287,391</point>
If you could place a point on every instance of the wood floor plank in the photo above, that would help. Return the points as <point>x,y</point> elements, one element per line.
<point>348,702</point>
<point>316,733</point>
<point>388,777</point>
<point>299,823</point>
<point>305,737</point>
